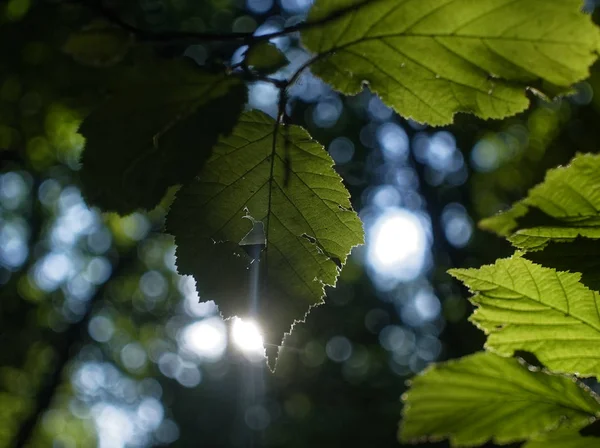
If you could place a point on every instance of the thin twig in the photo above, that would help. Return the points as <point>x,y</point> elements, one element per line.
<point>163,36</point>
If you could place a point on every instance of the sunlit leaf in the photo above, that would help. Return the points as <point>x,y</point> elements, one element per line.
<point>430,59</point>
<point>156,131</point>
<point>524,306</point>
<point>251,194</point>
<point>566,205</point>
<point>563,439</point>
<point>581,255</point>
<point>486,397</point>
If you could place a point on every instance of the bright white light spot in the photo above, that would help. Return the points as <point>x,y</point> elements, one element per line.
<point>207,338</point>
<point>393,140</point>
<point>263,96</point>
<point>397,243</point>
<point>246,335</point>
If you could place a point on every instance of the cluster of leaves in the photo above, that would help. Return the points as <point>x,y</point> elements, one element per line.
<point>263,222</point>
<point>541,303</point>
<point>528,303</point>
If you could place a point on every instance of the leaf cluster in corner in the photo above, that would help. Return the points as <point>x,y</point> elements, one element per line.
<point>430,59</point>
<point>277,190</point>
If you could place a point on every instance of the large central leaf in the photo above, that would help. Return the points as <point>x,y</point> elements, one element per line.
<point>485,397</point>
<point>524,306</point>
<point>259,188</point>
<point>429,59</point>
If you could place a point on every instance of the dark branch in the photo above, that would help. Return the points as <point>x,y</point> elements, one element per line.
<point>168,36</point>
<point>63,354</point>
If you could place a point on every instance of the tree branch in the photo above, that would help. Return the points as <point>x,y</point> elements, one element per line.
<point>63,355</point>
<point>246,38</point>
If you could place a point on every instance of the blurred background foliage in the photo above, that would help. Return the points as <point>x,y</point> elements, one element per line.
<point>103,344</point>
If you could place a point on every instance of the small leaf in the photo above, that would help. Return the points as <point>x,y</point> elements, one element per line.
<point>430,59</point>
<point>264,57</point>
<point>155,132</point>
<point>524,306</point>
<point>99,45</point>
<point>564,206</point>
<point>485,397</point>
<point>292,190</point>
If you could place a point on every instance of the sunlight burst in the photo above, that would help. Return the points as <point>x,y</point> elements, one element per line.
<point>247,336</point>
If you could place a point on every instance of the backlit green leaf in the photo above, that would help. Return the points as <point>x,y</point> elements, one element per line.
<point>565,208</point>
<point>430,59</point>
<point>564,439</point>
<point>566,205</point>
<point>524,306</point>
<point>252,192</point>
<point>581,255</point>
<point>485,397</point>
<point>156,131</point>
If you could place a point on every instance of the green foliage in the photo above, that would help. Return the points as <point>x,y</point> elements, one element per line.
<point>486,397</point>
<point>561,439</point>
<point>524,306</point>
<point>433,58</point>
<point>98,45</point>
<point>564,206</point>
<point>581,255</point>
<point>263,222</point>
<point>273,189</point>
<point>138,142</point>
<point>265,57</point>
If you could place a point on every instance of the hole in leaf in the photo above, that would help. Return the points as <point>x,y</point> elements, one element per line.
<point>255,241</point>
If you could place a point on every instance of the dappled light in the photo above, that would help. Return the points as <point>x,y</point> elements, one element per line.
<point>225,225</point>
<point>246,336</point>
<point>206,338</point>
<point>397,245</point>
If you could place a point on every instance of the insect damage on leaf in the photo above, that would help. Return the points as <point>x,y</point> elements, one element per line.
<point>240,200</point>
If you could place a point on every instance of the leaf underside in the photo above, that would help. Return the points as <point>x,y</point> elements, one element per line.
<point>290,196</point>
<point>524,306</point>
<point>156,131</point>
<point>486,397</point>
<point>429,59</point>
